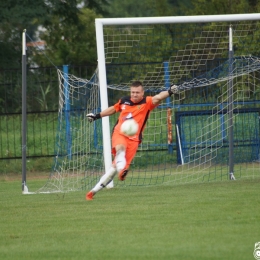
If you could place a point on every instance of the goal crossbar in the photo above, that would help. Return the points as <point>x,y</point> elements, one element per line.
<point>100,22</point>
<point>178,19</point>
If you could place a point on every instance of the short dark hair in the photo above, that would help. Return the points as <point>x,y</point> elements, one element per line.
<point>136,83</point>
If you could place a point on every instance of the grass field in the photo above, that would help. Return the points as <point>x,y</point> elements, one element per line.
<point>217,220</point>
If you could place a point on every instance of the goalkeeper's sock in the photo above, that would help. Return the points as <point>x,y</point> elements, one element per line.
<point>120,160</point>
<point>105,179</point>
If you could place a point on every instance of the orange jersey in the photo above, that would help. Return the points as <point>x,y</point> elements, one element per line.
<point>138,111</point>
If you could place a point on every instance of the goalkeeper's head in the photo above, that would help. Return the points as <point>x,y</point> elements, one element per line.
<point>136,91</point>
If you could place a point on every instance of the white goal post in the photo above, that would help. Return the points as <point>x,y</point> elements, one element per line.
<point>101,22</point>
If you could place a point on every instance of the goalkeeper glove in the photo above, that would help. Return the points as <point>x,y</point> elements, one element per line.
<point>92,117</point>
<point>173,90</point>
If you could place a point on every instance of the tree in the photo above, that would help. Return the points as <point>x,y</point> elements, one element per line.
<point>12,19</point>
<point>214,7</point>
<point>71,43</point>
<point>130,8</point>
<point>99,6</point>
<point>17,15</point>
<point>137,8</point>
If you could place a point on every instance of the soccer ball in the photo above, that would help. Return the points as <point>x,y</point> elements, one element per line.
<point>129,127</point>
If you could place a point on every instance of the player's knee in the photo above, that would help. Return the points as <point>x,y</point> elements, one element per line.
<point>120,148</point>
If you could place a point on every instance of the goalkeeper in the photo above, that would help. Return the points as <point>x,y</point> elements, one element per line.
<point>124,148</point>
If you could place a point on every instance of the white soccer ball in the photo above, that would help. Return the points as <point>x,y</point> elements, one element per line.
<point>129,127</point>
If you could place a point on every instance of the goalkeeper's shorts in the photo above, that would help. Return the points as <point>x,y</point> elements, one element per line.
<point>130,145</point>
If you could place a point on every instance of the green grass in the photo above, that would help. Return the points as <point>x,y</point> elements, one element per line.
<point>217,220</point>
<point>13,167</point>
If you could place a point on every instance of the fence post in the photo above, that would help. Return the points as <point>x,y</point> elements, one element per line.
<point>24,116</point>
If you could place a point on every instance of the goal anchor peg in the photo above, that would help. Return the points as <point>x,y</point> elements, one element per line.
<point>232,176</point>
<point>25,190</point>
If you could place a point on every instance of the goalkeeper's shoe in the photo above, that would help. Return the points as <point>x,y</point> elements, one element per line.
<point>90,195</point>
<point>122,175</point>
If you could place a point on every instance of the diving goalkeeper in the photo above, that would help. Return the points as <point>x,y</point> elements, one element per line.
<point>124,148</point>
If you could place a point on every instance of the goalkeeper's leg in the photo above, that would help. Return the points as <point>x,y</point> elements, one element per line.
<point>103,182</point>
<point>129,154</point>
<point>119,144</point>
<point>120,160</point>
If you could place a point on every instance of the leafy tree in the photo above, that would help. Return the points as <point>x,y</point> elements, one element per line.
<point>70,43</point>
<point>130,8</point>
<point>214,7</point>
<point>17,15</point>
<point>13,19</point>
<point>99,6</point>
<point>145,8</point>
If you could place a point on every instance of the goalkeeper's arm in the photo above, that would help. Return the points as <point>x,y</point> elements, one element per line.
<point>106,112</point>
<point>164,94</point>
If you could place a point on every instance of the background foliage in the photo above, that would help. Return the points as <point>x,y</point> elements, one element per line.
<point>68,26</point>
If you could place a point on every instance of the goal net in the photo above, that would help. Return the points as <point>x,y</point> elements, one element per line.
<point>208,131</point>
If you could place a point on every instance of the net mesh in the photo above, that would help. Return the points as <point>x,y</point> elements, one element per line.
<point>177,148</point>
